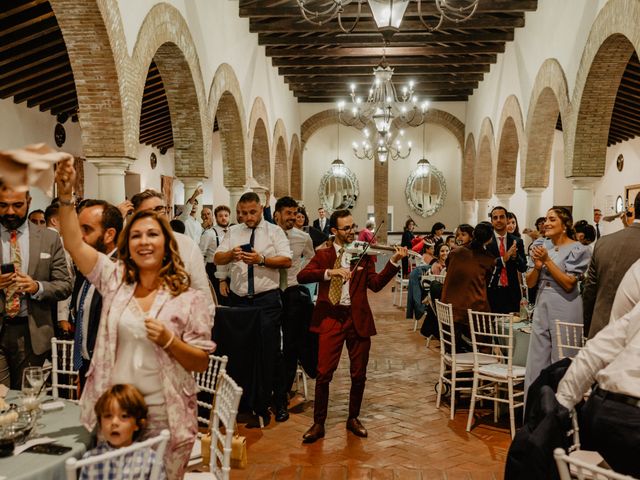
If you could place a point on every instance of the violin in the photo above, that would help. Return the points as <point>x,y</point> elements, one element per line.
<point>359,248</point>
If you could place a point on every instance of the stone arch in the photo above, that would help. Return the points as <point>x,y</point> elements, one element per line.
<point>613,37</point>
<point>296,167</point>
<point>484,167</point>
<point>315,122</point>
<point>259,143</point>
<point>548,99</point>
<point>468,170</point>
<point>164,37</point>
<point>281,167</point>
<point>448,121</point>
<point>101,90</point>
<point>510,139</point>
<point>225,104</point>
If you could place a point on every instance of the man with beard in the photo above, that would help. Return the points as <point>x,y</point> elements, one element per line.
<point>34,279</point>
<point>296,300</point>
<point>342,314</point>
<point>100,223</point>
<point>207,219</point>
<point>210,241</point>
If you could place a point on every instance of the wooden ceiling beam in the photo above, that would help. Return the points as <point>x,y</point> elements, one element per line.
<point>620,128</point>
<point>52,96</point>
<point>398,70</point>
<point>362,87</point>
<point>621,120</point>
<point>67,99</point>
<point>13,57</point>
<point>154,92</point>
<point>19,39</point>
<point>16,83</point>
<point>36,62</point>
<point>622,106</point>
<point>146,117</point>
<point>369,26</point>
<point>374,61</point>
<point>154,125</point>
<point>34,83</point>
<point>161,137</point>
<point>21,8</point>
<point>157,108</point>
<point>367,80</point>
<point>165,132</point>
<point>427,8</point>
<point>389,52</point>
<point>399,39</point>
<point>40,91</point>
<point>156,102</point>
<point>28,22</point>
<point>441,98</point>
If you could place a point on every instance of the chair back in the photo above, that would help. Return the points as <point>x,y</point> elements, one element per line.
<point>137,461</point>
<point>224,422</point>
<point>436,278</point>
<point>207,382</point>
<point>492,335</point>
<point>573,468</point>
<point>63,377</point>
<point>570,338</point>
<point>444,312</point>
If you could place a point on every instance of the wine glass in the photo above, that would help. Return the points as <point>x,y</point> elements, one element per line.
<point>32,380</point>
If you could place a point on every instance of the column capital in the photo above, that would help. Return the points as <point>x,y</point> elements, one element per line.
<point>534,190</point>
<point>111,165</point>
<point>584,182</point>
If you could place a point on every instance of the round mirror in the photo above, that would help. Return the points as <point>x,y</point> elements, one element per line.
<point>426,189</point>
<point>338,188</point>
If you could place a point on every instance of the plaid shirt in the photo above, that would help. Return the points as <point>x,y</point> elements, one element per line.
<point>136,464</point>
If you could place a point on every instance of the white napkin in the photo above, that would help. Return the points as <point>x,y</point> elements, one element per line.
<point>30,443</point>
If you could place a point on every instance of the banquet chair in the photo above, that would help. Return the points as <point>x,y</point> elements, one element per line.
<point>301,376</point>
<point>122,463</point>
<point>570,338</point>
<point>207,382</point>
<point>400,286</point>
<point>492,334</point>
<point>64,379</point>
<point>224,414</point>
<point>452,363</point>
<point>571,468</point>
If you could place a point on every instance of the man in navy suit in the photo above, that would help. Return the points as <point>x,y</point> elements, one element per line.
<point>322,222</point>
<point>504,289</point>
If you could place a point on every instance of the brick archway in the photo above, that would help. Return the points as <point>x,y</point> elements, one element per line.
<point>259,143</point>
<point>548,99</point>
<point>164,37</point>
<point>281,168</point>
<point>484,167</point>
<point>296,168</point>
<point>510,139</point>
<point>467,191</point>
<point>612,40</point>
<point>225,104</point>
<point>104,121</point>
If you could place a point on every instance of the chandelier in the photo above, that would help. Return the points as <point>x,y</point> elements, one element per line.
<point>387,13</point>
<point>384,148</point>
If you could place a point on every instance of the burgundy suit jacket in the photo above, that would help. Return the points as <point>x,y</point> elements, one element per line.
<point>324,316</point>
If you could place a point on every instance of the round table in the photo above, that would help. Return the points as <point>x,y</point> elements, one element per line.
<point>63,425</point>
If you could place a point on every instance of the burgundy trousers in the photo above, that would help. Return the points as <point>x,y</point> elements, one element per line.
<point>329,350</point>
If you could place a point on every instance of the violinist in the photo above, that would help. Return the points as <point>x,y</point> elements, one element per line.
<point>342,314</point>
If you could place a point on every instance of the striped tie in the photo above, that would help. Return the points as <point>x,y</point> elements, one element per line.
<point>12,307</point>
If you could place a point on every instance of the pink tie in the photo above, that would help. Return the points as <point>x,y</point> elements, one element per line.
<point>503,273</point>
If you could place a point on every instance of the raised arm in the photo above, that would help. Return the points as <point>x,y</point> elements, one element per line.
<point>84,256</point>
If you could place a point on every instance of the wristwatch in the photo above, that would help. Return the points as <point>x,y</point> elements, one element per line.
<point>262,260</point>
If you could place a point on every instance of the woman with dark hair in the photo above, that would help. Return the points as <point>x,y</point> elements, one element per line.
<point>437,231</point>
<point>512,224</point>
<point>464,235</point>
<point>302,219</point>
<point>468,270</point>
<point>557,264</point>
<point>407,241</point>
<point>154,329</point>
<point>441,255</point>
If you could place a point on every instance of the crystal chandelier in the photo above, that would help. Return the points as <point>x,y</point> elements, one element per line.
<point>384,149</point>
<point>387,13</point>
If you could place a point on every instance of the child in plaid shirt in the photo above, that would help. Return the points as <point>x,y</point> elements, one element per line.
<point>122,414</point>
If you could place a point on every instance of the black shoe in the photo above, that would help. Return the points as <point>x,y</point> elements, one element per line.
<point>282,415</point>
<point>316,432</point>
<point>255,422</point>
<point>355,427</point>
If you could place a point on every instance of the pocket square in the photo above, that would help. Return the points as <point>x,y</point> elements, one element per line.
<point>44,255</point>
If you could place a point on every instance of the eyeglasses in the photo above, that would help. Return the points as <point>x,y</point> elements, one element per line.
<point>347,228</point>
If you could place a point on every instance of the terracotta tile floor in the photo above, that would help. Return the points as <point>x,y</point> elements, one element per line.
<point>408,437</point>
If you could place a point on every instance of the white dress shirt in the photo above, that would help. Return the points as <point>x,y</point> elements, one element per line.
<point>345,262</point>
<point>210,241</point>
<point>628,293</point>
<point>269,241</point>
<point>302,251</point>
<point>193,264</point>
<point>192,227</point>
<point>611,358</point>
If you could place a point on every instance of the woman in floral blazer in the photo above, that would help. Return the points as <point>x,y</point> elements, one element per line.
<point>154,329</point>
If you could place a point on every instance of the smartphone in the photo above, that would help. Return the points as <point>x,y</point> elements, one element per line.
<point>246,247</point>
<point>7,268</point>
<point>49,449</point>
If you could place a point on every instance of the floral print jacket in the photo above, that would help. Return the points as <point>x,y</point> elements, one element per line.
<point>187,315</point>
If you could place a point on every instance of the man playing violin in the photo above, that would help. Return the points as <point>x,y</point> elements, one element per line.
<point>342,314</point>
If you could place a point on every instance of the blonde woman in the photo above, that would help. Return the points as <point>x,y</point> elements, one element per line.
<point>154,329</point>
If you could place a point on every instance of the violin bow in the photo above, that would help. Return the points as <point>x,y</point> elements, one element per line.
<point>366,247</point>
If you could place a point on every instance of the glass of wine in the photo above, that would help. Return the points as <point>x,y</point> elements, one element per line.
<point>32,380</point>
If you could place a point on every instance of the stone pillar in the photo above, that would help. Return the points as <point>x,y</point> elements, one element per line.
<point>234,195</point>
<point>483,210</point>
<point>190,185</point>
<point>381,197</point>
<point>468,212</point>
<point>111,172</point>
<point>504,199</point>
<point>534,208</point>
<point>583,198</point>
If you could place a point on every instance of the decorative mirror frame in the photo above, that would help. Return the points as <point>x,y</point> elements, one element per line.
<point>325,180</point>
<point>416,174</point>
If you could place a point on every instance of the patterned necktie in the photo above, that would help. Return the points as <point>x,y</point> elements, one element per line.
<point>335,287</point>
<point>503,271</point>
<point>12,306</point>
<point>77,338</point>
<point>250,287</point>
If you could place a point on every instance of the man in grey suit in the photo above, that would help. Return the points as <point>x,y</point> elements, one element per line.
<point>34,278</point>
<point>612,257</point>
